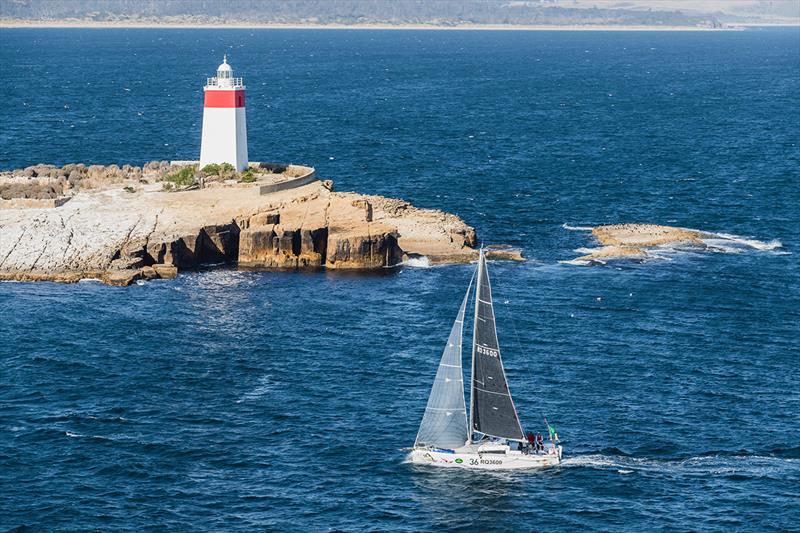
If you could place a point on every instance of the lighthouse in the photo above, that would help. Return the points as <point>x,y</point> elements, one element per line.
<point>224,126</point>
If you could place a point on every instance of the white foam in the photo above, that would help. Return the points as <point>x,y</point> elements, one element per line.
<point>418,262</point>
<point>576,228</point>
<point>755,244</point>
<point>265,385</point>
<point>578,262</point>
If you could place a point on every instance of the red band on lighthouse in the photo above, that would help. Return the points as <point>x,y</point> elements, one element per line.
<point>224,98</point>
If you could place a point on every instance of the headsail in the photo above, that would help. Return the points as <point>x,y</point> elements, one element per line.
<point>444,424</point>
<point>492,410</point>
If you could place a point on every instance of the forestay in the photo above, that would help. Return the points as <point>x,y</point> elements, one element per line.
<point>444,424</point>
<point>492,412</point>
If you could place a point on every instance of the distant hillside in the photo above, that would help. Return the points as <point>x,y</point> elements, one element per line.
<point>397,12</point>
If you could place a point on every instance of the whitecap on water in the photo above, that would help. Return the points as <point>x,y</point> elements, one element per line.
<point>264,387</point>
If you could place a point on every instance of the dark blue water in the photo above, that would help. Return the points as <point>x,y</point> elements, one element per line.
<point>230,400</point>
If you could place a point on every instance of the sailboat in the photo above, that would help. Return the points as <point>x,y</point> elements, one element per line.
<point>491,438</point>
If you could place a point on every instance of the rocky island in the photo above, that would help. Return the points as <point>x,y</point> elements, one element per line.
<point>635,240</point>
<point>120,224</point>
<point>643,241</point>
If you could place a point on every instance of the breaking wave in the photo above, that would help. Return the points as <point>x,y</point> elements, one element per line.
<point>727,243</point>
<point>581,262</point>
<point>417,262</point>
<point>576,228</point>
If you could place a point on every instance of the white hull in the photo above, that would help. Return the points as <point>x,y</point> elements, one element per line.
<point>473,457</point>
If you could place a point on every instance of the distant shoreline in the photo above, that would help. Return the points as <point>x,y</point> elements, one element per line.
<point>12,23</point>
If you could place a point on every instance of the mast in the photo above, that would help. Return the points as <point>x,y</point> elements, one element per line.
<point>492,410</point>
<point>474,333</point>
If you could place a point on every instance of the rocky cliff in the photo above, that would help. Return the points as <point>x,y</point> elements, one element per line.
<point>121,235</point>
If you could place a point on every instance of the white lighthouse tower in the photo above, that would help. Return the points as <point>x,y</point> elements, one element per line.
<point>224,126</point>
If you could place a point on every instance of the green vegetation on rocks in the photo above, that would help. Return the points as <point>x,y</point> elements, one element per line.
<point>185,177</point>
<point>221,170</point>
<point>248,176</point>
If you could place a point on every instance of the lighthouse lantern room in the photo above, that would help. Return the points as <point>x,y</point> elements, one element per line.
<point>224,126</point>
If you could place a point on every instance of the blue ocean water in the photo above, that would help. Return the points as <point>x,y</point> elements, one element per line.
<point>229,400</point>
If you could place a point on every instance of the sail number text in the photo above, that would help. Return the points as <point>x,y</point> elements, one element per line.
<point>487,351</point>
<point>481,461</point>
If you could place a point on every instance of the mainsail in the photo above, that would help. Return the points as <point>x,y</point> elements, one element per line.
<point>444,424</point>
<point>492,410</point>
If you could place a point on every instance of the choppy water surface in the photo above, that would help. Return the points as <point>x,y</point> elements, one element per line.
<point>238,400</point>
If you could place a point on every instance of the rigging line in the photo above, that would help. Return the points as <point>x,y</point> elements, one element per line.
<point>511,319</point>
<point>517,339</point>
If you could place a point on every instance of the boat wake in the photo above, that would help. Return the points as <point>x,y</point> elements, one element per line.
<point>718,463</point>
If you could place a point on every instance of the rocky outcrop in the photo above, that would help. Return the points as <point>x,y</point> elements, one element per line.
<point>645,235</point>
<point>325,229</point>
<point>635,240</point>
<point>119,237</point>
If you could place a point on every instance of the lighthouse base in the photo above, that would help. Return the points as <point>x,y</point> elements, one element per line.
<point>224,137</point>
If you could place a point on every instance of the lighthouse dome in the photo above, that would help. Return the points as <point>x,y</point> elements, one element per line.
<point>225,67</point>
<point>224,77</point>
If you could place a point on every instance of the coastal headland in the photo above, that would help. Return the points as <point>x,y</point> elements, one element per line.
<point>121,224</point>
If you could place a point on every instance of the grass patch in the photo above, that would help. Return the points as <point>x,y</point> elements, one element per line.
<point>185,177</point>
<point>218,169</point>
<point>247,176</point>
